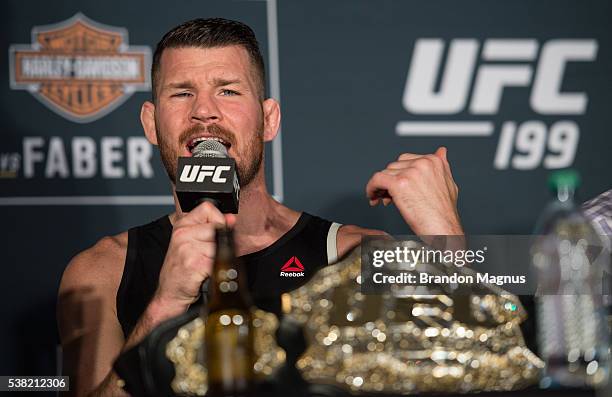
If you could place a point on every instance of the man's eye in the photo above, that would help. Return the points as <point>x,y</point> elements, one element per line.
<point>229,93</point>
<point>181,94</point>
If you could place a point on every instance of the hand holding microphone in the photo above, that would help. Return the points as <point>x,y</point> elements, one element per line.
<point>208,191</point>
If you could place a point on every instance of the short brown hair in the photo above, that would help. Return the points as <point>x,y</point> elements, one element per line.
<point>209,33</point>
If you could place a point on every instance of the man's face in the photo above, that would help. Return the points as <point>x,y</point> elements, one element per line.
<point>209,92</point>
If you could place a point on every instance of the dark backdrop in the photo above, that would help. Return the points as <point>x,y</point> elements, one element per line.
<point>340,70</point>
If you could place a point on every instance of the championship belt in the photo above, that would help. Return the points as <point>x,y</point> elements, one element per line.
<point>403,343</point>
<point>397,342</point>
<point>186,352</point>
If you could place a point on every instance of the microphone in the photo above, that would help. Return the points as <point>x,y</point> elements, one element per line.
<point>209,175</point>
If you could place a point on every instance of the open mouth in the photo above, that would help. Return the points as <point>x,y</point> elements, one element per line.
<point>194,142</point>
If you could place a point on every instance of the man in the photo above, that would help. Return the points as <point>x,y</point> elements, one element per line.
<point>599,211</point>
<point>208,81</point>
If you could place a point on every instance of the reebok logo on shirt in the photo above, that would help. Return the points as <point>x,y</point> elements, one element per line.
<point>292,268</point>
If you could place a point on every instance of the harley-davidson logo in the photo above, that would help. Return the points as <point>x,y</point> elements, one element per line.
<point>80,68</point>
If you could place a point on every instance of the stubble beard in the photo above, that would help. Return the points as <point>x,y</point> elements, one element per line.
<point>247,168</point>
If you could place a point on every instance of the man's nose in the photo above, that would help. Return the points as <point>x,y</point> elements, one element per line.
<point>205,109</point>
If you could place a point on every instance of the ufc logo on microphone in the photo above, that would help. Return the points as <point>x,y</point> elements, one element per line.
<point>197,173</point>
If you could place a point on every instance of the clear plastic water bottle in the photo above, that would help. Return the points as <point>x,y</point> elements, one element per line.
<point>569,258</point>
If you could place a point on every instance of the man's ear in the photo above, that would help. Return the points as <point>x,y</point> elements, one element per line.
<point>147,119</point>
<point>272,118</point>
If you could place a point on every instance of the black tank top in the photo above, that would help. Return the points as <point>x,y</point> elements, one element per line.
<point>303,246</point>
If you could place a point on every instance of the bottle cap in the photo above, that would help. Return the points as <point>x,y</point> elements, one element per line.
<point>224,232</point>
<point>568,178</point>
<point>224,237</point>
